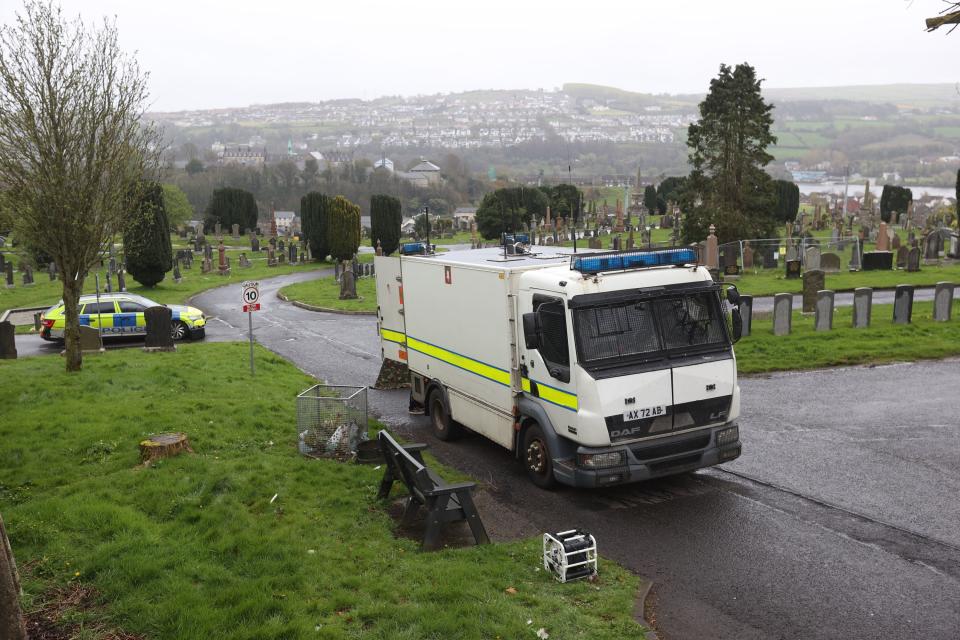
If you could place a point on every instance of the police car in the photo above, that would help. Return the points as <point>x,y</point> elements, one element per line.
<point>121,314</point>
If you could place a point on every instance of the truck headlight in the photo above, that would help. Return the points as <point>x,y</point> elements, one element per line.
<point>728,436</point>
<point>603,460</point>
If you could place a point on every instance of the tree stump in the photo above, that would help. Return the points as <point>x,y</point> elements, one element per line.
<point>164,445</point>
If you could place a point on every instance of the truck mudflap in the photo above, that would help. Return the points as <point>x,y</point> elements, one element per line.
<point>653,459</point>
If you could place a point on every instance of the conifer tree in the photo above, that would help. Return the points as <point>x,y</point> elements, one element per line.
<point>313,222</point>
<point>146,238</point>
<point>385,221</point>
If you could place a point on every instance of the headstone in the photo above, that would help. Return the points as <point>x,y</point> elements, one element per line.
<point>913,260</point>
<point>877,261</point>
<point>3,263</point>
<point>244,261</point>
<point>196,244</point>
<point>254,243</point>
<point>856,256</point>
<point>208,251</point>
<point>108,285</point>
<point>206,266</point>
<point>902,254</point>
<point>792,253</point>
<point>811,258</point>
<point>746,313</point>
<point>813,281</point>
<point>8,344</point>
<point>236,231</point>
<point>176,272</point>
<point>28,275</point>
<point>932,245</point>
<point>271,256</point>
<point>830,263</point>
<point>782,313</point>
<point>903,304</point>
<point>862,303</point>
<point>122,279</point>
<point>293,253</point>
<point>942,301</point>
<point>823,321</point>
<point>615,244</point>
<point>712,260</point>
<point>281,258</point>
<point>89,339</point>
<point>379,251</point>
<point>793,269</point>
<point>769,260</point>
<point>747,255</point>
<point>883,240</point>
<point>159,336</point>
<point>281,246</point>
<point>216,230</point>
<point>52,270</point>
<point>895,243</point>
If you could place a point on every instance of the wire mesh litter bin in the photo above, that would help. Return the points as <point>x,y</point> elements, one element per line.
<point>331,420</point>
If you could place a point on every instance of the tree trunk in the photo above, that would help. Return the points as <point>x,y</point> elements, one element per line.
<point>11,618</point>
<point>71,332</point>
<point>164,445</point>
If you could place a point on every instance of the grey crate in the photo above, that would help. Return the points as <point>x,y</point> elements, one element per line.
<point>331,420</point>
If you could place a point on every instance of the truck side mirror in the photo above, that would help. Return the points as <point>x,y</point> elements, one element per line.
<point>531,331</point>
<point>737,324</point>
<point>733,296</point>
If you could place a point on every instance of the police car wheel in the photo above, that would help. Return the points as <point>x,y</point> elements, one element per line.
<point>444,428</point>
<point>536,458</point>
<point>179,330</point>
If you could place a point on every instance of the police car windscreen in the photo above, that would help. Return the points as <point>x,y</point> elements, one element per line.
<point>647,329</point>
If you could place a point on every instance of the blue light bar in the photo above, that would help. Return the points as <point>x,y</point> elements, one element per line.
<point>619,261</point>
<point>413,248</point>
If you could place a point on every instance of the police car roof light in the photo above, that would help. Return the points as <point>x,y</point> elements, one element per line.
<point>594,263</point>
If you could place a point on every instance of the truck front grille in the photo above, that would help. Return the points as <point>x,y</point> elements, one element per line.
<point>671,448</point>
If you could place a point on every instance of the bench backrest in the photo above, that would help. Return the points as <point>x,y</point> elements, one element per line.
<point>405,467</point>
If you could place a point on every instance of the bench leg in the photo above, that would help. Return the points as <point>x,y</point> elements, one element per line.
<point>386,484</point>
<point>436,506</point>
<point>473,518</point>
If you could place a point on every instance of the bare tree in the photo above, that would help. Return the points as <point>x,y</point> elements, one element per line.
<point>11,618</point>
<point>949,15</point>
<point>74,148</point>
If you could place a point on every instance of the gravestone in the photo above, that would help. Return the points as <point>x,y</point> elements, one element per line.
<point>615,243</point>
<point>902,254</point>
<point>903,304</point>
<point>222,267</point>
<point>236,231</point>
<point>782,313</point>
<point>792,253</point>
<point>122,280</point>
<point>883,240</point>
<point>769,260</point>
<point>855,257</point>
<point>176,272</point>
<point>8,344</point>
<point>206,266</point>
<point>52,270</point>
<point>254,243</point>
<point>862,303</point>
<point>89,340</point>
<point>271,256</point>
<point>913,260</point>
<point>830,263</point>
<point>895,243</point>
<point>159,334</point>
<point>216,230</point>
<point>3,263</point>
<point>932,245</point>
<point>244,261</point>
<point>954,251</point>
<point>108,286</point>
<point>712,260</point>
<point>293,253</point>
<point>196,244</point>
<point>823,320</point>
<point>28,275</point>
<point>747,256</point>
<point>942,301</point>
<point>793,269</point>
<point>813,281</point>
<point>208,251</point>
<point>746,313</point>
<point>877,261</point>
<point>811,258</point>
<point>281,246</point>
<point>281,258</point>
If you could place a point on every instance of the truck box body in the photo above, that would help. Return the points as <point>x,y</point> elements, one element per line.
<point>633,363</point>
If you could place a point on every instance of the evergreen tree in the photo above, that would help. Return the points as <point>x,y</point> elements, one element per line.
<point>957,196</point>
<point>230,206</point>
<point>894,199</point>
<point>650,198</point>
<point>728,153</point>
<point>507,209</point>
<point>146,238</point>
<point>788,200</point>
<point>313,223</point>
<point>343,231</point>
<point>670,188</point>
<point>385,220</point>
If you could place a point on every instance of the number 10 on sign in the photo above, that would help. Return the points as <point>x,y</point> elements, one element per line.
<point>251,303</point>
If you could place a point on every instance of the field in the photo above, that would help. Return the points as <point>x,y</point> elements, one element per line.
<point>325,293</point>
<point>245,538</point>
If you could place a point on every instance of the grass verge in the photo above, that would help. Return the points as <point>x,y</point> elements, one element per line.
<point>883,341</point>
<point>194,547</point>
<point>325,293</point>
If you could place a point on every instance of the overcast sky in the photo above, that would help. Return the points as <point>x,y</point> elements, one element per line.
<point>216,53</point>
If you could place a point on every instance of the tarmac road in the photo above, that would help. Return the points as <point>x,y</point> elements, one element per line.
<point>840,520</point>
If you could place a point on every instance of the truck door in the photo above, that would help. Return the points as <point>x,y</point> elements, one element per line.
<point>545,371</point>
<point>390,321</point>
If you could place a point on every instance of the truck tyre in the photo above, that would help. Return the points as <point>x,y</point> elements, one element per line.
<point>536,457</point>
<point>444,428</point>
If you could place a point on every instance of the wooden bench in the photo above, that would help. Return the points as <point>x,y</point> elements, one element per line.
<point>444,502</point>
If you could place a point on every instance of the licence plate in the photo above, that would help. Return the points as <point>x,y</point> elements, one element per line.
<point>647,412</point>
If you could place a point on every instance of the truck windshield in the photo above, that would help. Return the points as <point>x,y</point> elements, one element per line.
<point>648,329</point>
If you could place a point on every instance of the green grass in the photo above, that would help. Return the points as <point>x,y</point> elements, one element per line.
<point>44,292</point>
<point>193,547</point>
<point>883,341</point>
<point>772,281</point>
<point>325,292</point>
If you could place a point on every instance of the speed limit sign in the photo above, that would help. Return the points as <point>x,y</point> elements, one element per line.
<point>251,296</point>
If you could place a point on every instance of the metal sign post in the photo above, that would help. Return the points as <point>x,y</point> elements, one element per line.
<point>251,303</point>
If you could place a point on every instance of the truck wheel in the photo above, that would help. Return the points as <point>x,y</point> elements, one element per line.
<point>443,426</point>
<point>537,459</point>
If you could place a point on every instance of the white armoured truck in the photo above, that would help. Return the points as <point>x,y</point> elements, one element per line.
<point>593,368</point>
